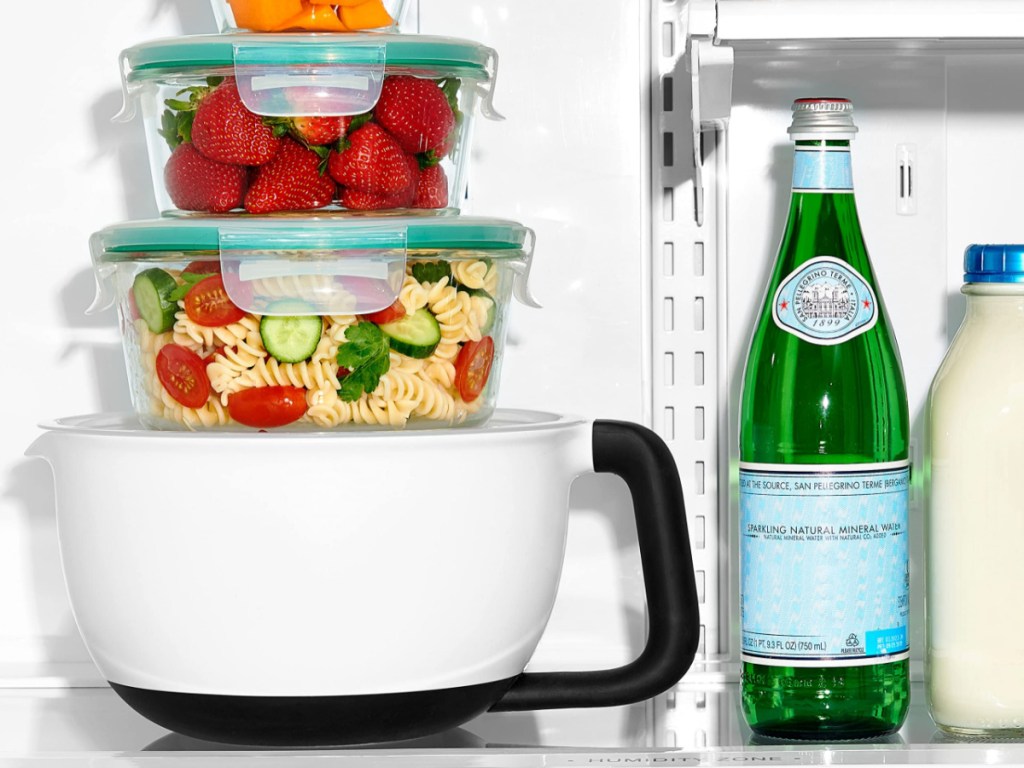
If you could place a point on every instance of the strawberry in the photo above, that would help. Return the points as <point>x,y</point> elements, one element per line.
<point>197,183</point>
<point>432,191</point>
<point>292,181</point>
<point>224,130</point>
<point>373,162</point>
<point>416,112</point>
<point>319,130</point>
<point>355,200</point>
<point>406,197</point>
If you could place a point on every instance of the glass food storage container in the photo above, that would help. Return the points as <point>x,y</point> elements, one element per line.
<point>307,15</point>
<point>321,325</point>
<point>260,124</point>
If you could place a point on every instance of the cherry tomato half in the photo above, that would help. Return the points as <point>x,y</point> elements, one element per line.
<point>387,315</point>
<point>183,375</point>
<point>265,407</point>
<point>207,304</point>
<point>473,367</point>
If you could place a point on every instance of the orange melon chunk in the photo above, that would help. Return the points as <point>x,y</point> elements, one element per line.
<point>263,15</point>
<point>314,18</point>
<point>370,14</point>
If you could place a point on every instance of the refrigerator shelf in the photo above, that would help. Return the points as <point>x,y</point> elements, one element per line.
<point>73,726</point>
<point>924,21</point>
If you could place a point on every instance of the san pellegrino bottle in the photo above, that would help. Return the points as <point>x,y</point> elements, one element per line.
<point>824,471</point>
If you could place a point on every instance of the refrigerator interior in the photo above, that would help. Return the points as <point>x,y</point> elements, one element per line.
<point>650,265</point>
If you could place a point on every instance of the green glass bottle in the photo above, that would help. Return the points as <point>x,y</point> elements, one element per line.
<point>824,471</point>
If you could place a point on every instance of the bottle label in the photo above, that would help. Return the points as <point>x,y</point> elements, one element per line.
<point>825,301</point>
<point>824,564</point>
<point>822,169</point>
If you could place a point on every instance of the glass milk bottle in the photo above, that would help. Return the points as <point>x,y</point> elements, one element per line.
<point>824,471</point>
<point>975,530</point>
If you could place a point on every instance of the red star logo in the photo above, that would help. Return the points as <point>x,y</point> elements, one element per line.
<point>867,304</point>
<point>784,305</point>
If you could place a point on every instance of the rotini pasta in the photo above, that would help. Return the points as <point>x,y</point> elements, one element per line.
<point>268,372</point>
<point>451,308</point>
<point>413,294</point>
<point>203,339</point>
<point>491,280</point>
<point>309,288</point>
<point>472,274</point>
<point>327,411</point>
<point>235,359</point>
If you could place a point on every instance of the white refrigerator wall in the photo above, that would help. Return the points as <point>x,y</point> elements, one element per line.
<point>570,161</point>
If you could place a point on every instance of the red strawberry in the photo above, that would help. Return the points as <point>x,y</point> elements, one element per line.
<point>432,191</point>
<point>446,146</point>
<point>355,200</point>
<point>224,130</point>
<point>373,163</point>
<point>292,181</point>
<point>320,130</point>
<point>415,111</point>
<point>406,197</point>
<point>197,183</point>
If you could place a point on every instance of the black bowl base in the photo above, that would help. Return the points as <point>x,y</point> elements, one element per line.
<point>313,721</point>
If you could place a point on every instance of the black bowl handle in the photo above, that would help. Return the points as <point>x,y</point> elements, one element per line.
<point>641,458</point>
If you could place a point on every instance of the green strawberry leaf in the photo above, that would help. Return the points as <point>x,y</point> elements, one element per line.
<point>450,87</point>
<point>213,81</point>
<point>185,125</point>
<point>176,121</point>
<point>431,271</point>
<point>359,121</point>
<point>280,125</point>
<point>169,129</point>
<point>366,354</point>
<point>324,153</point>
<point>195,94</point>
<point>179,105</point>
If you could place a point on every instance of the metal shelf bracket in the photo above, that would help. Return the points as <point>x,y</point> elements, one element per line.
<point>711,71</point>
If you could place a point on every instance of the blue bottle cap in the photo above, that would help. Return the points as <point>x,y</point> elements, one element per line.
<point>994,264</point>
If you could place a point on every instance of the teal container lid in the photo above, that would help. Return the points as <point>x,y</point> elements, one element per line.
<point>437,55</point>
<point>994,264</point>
<point>302,250</point>
<point>138,239</point>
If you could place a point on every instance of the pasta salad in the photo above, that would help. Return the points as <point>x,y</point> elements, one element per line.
<point>203,362</point>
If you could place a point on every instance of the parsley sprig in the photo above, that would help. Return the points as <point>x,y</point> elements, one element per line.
<point>190,278</point>
<point>367,357</point>
<point>431,271</point>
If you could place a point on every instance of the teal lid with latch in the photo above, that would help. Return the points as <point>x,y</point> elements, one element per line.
<point>336,74</point>
<point>315,256</point>
<point>443,54</point>
<point>134,240</point>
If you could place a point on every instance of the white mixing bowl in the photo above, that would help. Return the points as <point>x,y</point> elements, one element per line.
<point>300,589</point>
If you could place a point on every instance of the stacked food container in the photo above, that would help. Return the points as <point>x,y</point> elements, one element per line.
<point>309,316</point>
<point>311,274</point>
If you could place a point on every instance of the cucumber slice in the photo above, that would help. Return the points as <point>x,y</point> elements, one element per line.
<point>416,335</point>
<point>152,291</point>
<point>488,326</point>
<point>291,338</point>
